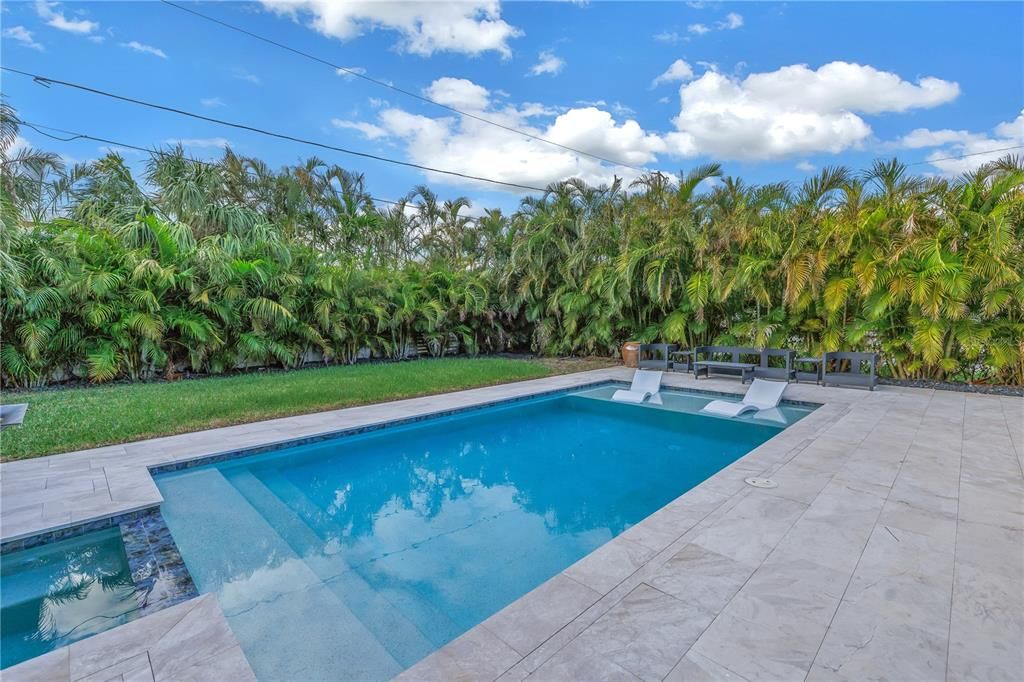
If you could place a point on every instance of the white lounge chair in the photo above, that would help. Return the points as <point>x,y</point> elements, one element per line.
<point>762,395</point>
<point>645,386</point>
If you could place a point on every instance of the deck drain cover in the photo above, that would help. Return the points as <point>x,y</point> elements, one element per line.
<point>761,482</point>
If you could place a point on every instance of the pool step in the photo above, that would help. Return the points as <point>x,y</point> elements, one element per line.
<point>321,553</point>
<point>292,626</point>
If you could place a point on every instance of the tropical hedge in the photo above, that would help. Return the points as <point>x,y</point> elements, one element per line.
<point>207,267</point>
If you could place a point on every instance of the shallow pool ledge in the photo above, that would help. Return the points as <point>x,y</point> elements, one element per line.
<point>189,641</point>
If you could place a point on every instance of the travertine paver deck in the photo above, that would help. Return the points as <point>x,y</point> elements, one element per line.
<point>892,548</point>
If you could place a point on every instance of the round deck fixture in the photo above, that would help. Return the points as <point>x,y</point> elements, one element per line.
<point>761,482</point>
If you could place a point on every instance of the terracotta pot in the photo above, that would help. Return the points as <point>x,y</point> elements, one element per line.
<point>631,353</point>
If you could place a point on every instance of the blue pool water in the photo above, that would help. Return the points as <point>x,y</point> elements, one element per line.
<point>62,592</point>
<point>355,557</point>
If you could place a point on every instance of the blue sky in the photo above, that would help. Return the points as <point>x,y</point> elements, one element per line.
<point>773,91</point>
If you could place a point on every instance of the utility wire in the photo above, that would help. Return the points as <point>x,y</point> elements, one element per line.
<point>964,156</point>
<point>46,81</point>
<point>391,86</point>
<point>83,136</point>
<point>41,129</point>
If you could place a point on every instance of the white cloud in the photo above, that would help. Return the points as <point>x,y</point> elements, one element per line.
<point>476,148</point>
<point>212,102</point>
<point>620,109</point>
<point>534,109</point>
<point>678,71</point>
<point>17,146</point>
<point>96,39</point>
<point>50,13</point>
<point>806,167</point>
<point>731,21</point>
<point>459,93</point>
<point>922,137</point>
<point>671,37</point>
<point>976,148</point>
<point>470,27</point>
<point>201,142</point>
<point>1012,129</point>
<point>243,75</point>
<point>23,36</point>
<point>793,110</point>
<point>349,72</point>
<point>371,131</point>
<point>145,49</point>
<point>547,62</point>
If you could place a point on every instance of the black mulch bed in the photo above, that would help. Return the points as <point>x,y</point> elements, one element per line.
<point>991,389</point>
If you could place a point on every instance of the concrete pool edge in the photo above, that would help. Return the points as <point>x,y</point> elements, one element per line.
<point>87,489</point>
<point>583,595</point>
<point>557,610</point>
<point>132,492</point>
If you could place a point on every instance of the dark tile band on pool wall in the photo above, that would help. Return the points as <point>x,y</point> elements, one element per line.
<point>158,570</point>
<point>66,532</point>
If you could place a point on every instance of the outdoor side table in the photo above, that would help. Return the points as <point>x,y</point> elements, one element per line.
<point>681,360</point>
<point>814,376</point>
<point>655,355</point>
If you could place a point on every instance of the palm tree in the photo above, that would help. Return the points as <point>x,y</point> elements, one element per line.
<point>215,266</point>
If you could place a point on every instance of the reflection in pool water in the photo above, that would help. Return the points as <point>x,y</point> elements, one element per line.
<point>62,592</point>
<point>356,557</point>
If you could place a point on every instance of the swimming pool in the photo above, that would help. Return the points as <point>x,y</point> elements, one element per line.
<point>355,557</point>
<point>62,592</point>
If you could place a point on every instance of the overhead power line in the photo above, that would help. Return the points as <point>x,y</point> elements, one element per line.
<point>41,129</point>
<point>44,80</point>
<point>391,86</point>
<point>964,156</point>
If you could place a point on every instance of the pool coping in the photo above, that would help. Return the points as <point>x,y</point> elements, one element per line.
<point>582,593</point>
<point>102,520</point>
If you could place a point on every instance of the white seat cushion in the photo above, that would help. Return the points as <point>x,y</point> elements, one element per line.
<point>724,408</point>
<point>646,381</point>
<point>764,394</point>
<point>624,396</point>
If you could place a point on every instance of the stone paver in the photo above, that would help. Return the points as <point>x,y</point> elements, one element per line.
<point>892,548</point>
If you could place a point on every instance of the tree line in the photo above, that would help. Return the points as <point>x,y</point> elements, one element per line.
<point>211,266</point>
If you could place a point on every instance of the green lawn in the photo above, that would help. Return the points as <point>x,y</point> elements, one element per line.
<point>73,419</point>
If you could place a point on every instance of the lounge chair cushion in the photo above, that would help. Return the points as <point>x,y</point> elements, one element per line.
<point>724,408</point>
<point>646,383</point>
<point>626,396</point>
<point>762,395</point>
